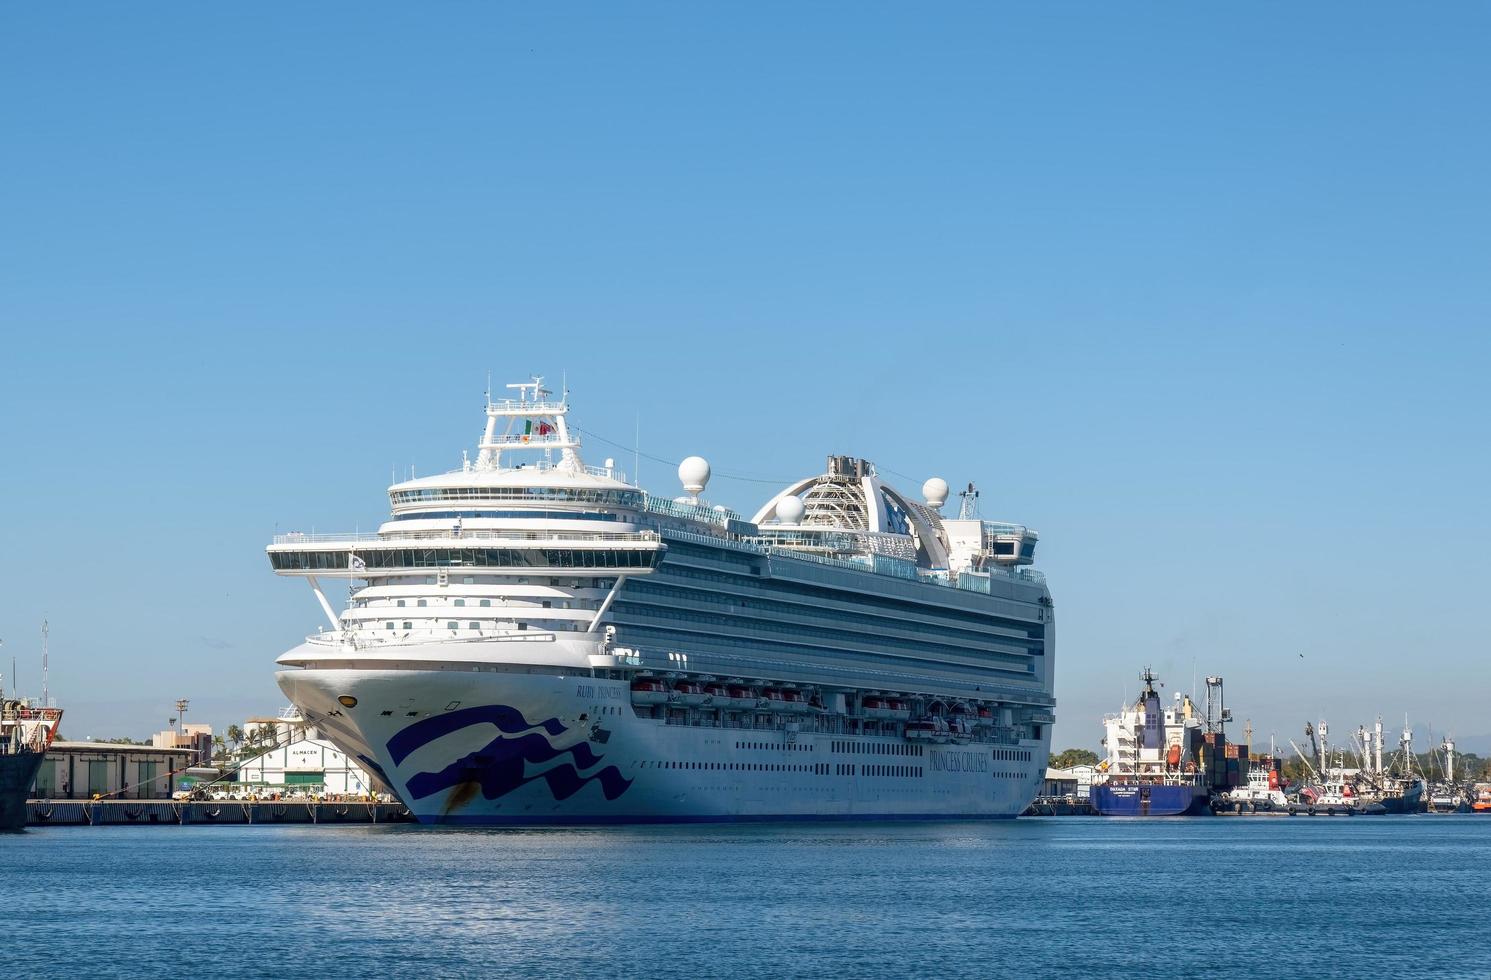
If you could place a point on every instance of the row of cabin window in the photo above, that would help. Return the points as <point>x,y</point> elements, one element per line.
<point>556,627</point>
<point>485,603</point>
<point>614,498</point>
<point>465,557</point>
<point>818,768</point>
<point>757,606</point>
<point>638,603</point>
<point>877,748</point>
<point>1008,660</point>
<point>557,583</point>
<point>849,769</point>
<point>880,606</point>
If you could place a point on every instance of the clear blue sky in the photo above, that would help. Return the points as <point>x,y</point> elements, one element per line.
<point>1200,293</point>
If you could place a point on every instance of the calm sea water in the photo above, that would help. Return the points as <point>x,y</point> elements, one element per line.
<point>1069,897</point>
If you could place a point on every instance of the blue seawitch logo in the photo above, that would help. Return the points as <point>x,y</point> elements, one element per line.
<point>499,767</point>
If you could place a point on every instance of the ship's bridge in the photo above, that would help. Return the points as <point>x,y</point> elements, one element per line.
<point>528,457</point>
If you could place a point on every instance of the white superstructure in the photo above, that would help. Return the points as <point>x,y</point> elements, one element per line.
<point>530,639</point>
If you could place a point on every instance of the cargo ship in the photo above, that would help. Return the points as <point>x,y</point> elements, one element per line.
<point>26,732</point>
<point>1167,762</point>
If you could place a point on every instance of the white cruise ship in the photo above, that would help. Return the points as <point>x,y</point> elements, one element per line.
<point>530,640</point>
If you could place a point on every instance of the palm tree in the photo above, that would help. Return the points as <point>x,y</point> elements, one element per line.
<point>235,735</point>
<point>220,747</point>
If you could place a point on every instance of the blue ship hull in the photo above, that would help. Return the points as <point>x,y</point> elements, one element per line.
<point>1142,800</point>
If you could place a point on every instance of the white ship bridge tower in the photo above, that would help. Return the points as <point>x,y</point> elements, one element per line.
<point>526,540</point>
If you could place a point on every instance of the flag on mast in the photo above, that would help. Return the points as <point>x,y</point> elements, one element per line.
<point>357,564</point>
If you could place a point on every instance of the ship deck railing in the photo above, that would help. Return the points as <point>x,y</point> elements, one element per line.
<point>348,639</point>
<point>875,563</point>
<point>447,536</point>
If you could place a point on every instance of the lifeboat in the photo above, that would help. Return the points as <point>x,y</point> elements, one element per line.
<point>899,710</point>
<point>1172,758</point>
<point>716,695</point>
<point>690,693</point>
<point>649,690</point>
<point>784,699</point>
<point>920,731</point>
<point>740,696</point>
<point>985,715</point>
<point>877,708</point>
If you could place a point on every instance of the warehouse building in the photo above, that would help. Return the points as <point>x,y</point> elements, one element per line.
<point>82,770</point>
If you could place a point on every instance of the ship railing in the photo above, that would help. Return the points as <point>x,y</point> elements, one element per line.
<point>523,408</point>
<point>1006,529</point>
<point>544,465</point>
<point>838,539</point>
<point>701,512</point>
<point>416,638</point>
<point>977,581</point>
<point>560,466</point>
<point>880,563</point>
<point>447,535</point>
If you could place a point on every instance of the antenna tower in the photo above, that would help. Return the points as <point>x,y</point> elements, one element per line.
<point>968,508</point>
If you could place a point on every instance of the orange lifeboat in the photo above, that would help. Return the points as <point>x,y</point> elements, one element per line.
<point>1172,758</point>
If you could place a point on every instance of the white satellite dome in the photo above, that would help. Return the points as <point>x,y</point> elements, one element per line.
<point>935,492</point>
<point>790,510</point>
<point>693,473</point>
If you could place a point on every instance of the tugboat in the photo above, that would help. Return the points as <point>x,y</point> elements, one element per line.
<point>1161,763</point>
<point>26,732</point>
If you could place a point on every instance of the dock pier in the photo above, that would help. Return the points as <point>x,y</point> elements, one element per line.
<point>91,813</point>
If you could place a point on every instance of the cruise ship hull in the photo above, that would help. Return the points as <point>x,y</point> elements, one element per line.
<point>506,746</point>
<point>1149,800</point>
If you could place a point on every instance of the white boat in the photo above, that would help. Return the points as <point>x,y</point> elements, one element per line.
<point>530,639</point>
